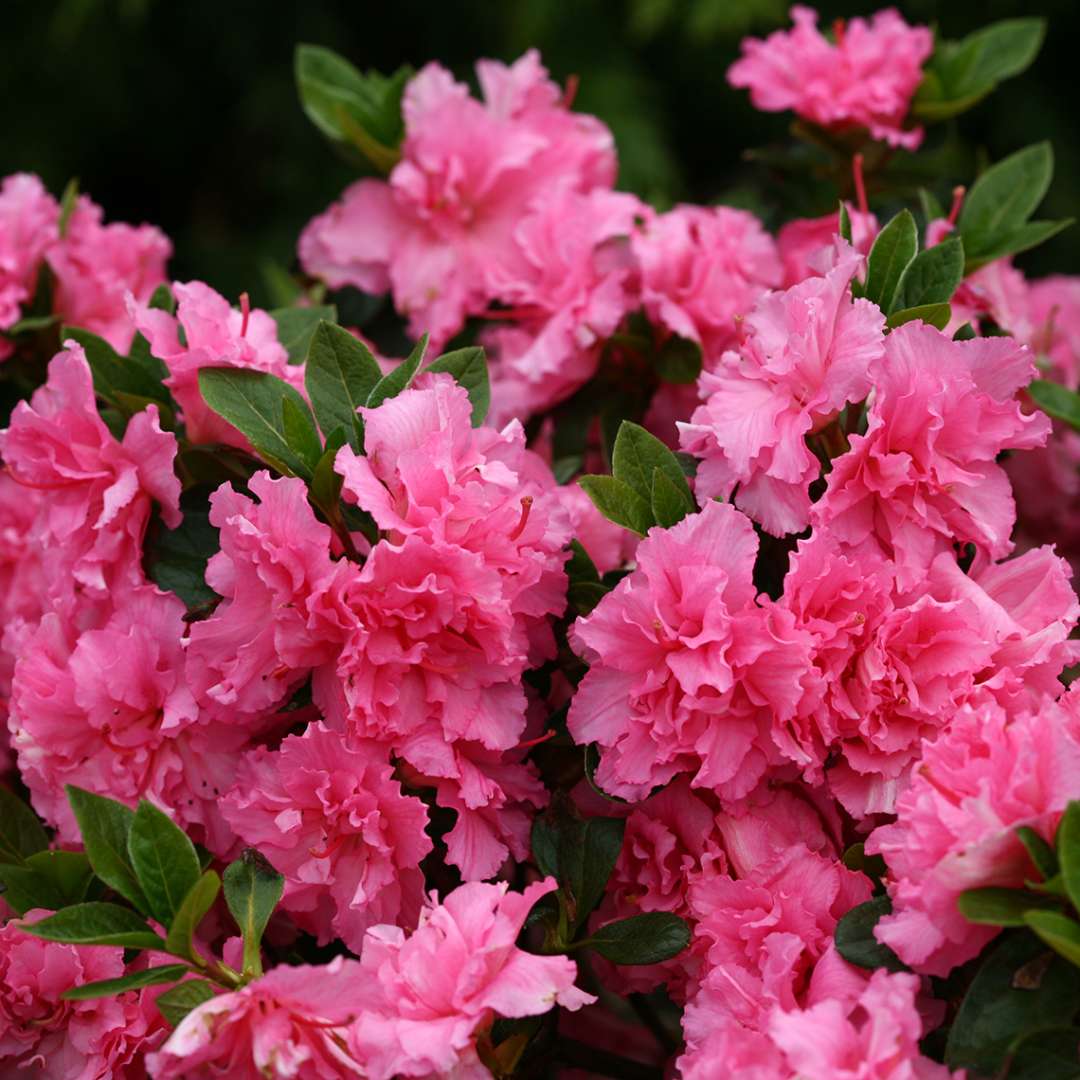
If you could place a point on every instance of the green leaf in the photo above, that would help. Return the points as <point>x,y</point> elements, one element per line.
<point>252,889</point>
<point>326,482</point>
<point>175,559</point>
<point>637,455</point>
<point>1019,988</point>
<point>1042,854</point>
<point>873,866</point>
<point>679,360</point>
<point>1056,400</point>
<point>469,368</point>
<point>668,501</point>
<point>649,938</point>
<point>1005,195</point>
<point>180,940</point>
<point>579,566</point>
<point>68,201</point>
<point>618,502</point>
<point>1047,1055</point>
<point>25,888</point>
<point>154,976</point>
<point>296,327</point>
<point>587,854</point>
<point>545,847</point>
<point>113,373</point>
<point>176,1003</point>
<point>350,108</point>
<point>845,223</point>
<point>96,924</point>
<point>339,377</point>
<point>965,333</point>
<point>932,314</point>
<point>1012,242</point>
<point>163,859</point>
<point>931,206</point>
<point>301,433</point>
<point>1067,842</point>
<point>252,402</point>
<point>69,873</point>
<point>1060,932</point>
<point>895,247</point>
<point>162,299</point>
<point>855,940</point>
<point>21,834</point>
<point>994,906</point>
<point>392,384</point>
<point>932,276</point>
<point>105,825</point>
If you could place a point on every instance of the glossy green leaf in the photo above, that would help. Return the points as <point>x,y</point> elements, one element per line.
<point>649,938</point>
<point>252,889</point>
<point>932,276</point>
<point>301,433</point>
<point>339,377</point>
<point>175,559</point>
<point>1013,241</point>
<point>1047,1055</point>
<point>21,833</point>
<point>669,504</point>
<point>855,939</point>
<point>1057,401</point>
<point>104,825</point>
<point>895,247</point>
<point>994,906</point>
<point>25,888</point>
<point>679,360</point>
<point>635,457</point>
<point>296,327</point>
<point>154,976</point>
<point>326,481</point>
<point>618,502</point>
<point>163,859</point>
<point>1058,931</point>
<point>470,370</point>
<point>180,940</point>
<point>69,872</point>
<point>545,846</point>
<point>112,372</point>
<point>96,924</point>
<point>932,314</point>
<point>176,1003</point>
<point>1042,854</point>
<point>1005,195</point>
<point>587,854</point>
<point>1067,843</point>
<point>391,384</point>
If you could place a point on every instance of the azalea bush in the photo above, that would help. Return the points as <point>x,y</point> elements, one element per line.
<point>661,666</point>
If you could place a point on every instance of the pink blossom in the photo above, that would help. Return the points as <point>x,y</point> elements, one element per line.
<point>273,566</point>
<point>214,335</point>
<point>428,993</point>
<point>290,1024</point>
<point>469,172</point>
<point>866,79</point>
<point>28,220</point>
<point>808,352</point>
<point>44,1035</point>
<point>568,278</point>
<point>97,265</point>
<point>984,776</point>
<point>876,1039</point>
<point>1055,317</point>
<point>701,269</point>
<point>331,818</point>
<point>100,490</point>
<point>804,242</point>
<point>686,668</point>
<point>924,476</point>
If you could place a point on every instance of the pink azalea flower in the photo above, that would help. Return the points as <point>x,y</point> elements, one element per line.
<point>100,490</point>
<point>984,776</point>
<point>686,668</point>
<point>924,476</point>
<point>273,566</point>
<point>866,79</point>
<point>805,242</point>
<point>702,268</point>
<point>427,994</point>
<point>290,1024</point>
<point>1055,317</point>
<point>469,172</point>
<point>331,818</point>
<point>876,1039</point>
<point>808,352</point>
<point>568,278</point>
<point>28,220</point>
<point>97,265</point>
<point>43,1035</point>
<point>214,335</point>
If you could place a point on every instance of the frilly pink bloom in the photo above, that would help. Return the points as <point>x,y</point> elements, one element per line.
<point>28,220</point>
<point>686,668</point>
<point>469,172</point>
<point>273,566</point>
<point>99,491</point>
<point>568,279</point>
<point>429,474</point>
<point>876,1038</point>
<point>97,265</point>
<point>43,1035</point>
<point>427,994</point>
<point>803,243</point>
<point>331,818</point>
<point>215,335</point>
<point>986,774</point>
<point>808,351</point>
<point>924,476</point>
<point>760,935</point>
<point>287,1025</point>
<point>701,269</point>
<point>865,80</point>
<point>1055,317</point>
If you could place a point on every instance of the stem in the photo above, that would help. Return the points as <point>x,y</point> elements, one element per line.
<point>223,975</point>
<point>603,1062</point>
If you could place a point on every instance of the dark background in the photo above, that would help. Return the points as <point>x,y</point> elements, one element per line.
<point>185,113</point>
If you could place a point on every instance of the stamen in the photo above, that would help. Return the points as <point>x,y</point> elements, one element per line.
<point>838,32</point>
<point>536,742</point>
<point>526,506</point>
<point>958,193</point>
<point>245,310</point>
<point>329,847</point>
<point>572,82</point>
<point>860,184</point>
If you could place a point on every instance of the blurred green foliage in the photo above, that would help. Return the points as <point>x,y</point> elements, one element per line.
<point>185,114</point>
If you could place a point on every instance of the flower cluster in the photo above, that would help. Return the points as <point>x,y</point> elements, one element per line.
<point>771,710</point>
